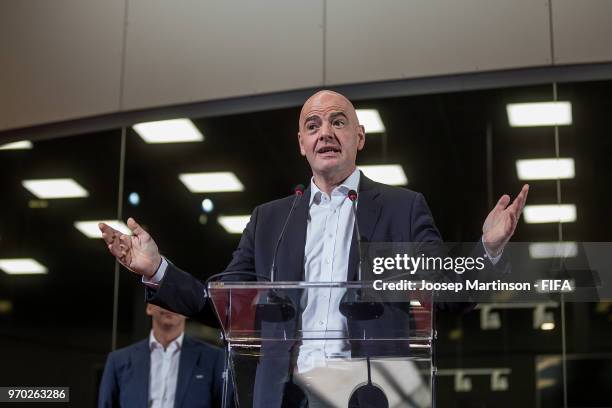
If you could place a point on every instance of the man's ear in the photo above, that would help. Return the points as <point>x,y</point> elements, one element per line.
<point>302,150</point>
<point>361,136</point>
<point>149,309</point>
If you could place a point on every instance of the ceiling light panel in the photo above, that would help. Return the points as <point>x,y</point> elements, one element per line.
<point>371,121</point>
<point>539,114</point>
<point>538,214</point>
<point>169,131</point>
<point>547,250</point>
<point>545,169</point>
<point>215,182</point>
<point>55,188</point>
<point>91,230</point>
<point>22,266</point>
<point>21,145</point>
<point>234,224</point>
<point>391,174</point>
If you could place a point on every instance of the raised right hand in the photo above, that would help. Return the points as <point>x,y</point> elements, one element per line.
<point>137,252</point>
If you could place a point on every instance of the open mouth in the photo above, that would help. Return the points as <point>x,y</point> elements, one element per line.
<point>328,150</point>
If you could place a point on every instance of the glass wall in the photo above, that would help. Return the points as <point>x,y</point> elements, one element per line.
<point>56,300</point>
<point>458,149</point>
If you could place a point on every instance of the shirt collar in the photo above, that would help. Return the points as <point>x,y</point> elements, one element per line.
<point>153,343</point>
<point>350,183</point>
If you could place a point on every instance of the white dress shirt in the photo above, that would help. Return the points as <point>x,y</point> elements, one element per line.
<point>326,257</point>
<point>163,373</point>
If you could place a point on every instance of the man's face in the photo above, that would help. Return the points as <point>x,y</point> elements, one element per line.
<point>163,317</point>
<point>330,134</point>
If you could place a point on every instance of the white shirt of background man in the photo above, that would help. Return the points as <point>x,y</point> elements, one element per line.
<point>163,373</point>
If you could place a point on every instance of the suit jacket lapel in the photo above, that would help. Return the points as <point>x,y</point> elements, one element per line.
<point>141,361</point>
<point>368,212</point>
<point>187,361</point>
<point>295,242</point>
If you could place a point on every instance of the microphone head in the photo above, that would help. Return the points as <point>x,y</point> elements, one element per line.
<point>352,195</point>
<point>299,190</point>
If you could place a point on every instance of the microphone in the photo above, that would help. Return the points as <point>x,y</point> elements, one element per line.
<point>352,195</point>
<point>298,192</point>
<point>353,304</point>
<point>272,306</point>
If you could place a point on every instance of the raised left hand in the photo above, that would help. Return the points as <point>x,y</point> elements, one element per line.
<point>501,222</point>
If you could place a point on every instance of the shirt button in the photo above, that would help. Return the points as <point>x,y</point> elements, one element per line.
<point>330,236</point>
<point>321,323</point>
<point>327,261</point>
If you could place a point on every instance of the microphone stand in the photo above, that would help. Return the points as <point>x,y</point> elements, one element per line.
<point>272,306</point>
<point>354,304</point>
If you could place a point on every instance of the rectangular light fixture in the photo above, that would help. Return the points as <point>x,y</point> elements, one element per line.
<point>168,131</point>
<point>234,224</point>
<point>391,174</point>
<point>90,228</point>
<point>548,326</point>
<point>55,188</point>
<point>538,214</point>
<point>22,266</point>
<point>214,182</point>
<point>21,145</point>
<point>371,121</point>
<point>545,169</point>
<point>539,114</point>
<point>546,250</point>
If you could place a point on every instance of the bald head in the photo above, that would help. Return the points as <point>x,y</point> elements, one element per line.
<point>326,99</point>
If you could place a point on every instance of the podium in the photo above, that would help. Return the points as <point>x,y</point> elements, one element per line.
<point>313,344</point>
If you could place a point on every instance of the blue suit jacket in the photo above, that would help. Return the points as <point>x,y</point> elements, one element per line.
<point>125,382</point>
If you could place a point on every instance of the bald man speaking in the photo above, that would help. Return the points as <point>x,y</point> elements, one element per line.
<point>320,243</point>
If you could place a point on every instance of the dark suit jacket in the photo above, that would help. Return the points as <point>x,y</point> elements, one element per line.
<point>385,214</point>
<point>125,382</point>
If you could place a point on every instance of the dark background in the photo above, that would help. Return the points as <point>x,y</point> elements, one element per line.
<point>56,329</point>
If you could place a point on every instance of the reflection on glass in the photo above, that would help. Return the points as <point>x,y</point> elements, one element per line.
<point>56,286</point>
